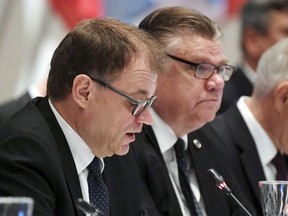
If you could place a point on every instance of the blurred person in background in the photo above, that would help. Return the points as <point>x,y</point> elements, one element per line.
<point>98,95</point>
<point>28,40</point>
<point>255,129</point>
<point>189,95</point>
<point>263,23</point>
<point>9,108</point>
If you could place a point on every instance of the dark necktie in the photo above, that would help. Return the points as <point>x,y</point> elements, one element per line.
<point>281,167</point>
<point>98,192</point>
<point>193,205</point>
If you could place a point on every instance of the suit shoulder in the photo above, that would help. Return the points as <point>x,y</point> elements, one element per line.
<point>9,108</point>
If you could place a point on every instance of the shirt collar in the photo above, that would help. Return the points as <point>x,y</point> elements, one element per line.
<point>164,134</point>
<point>265,147</point>
<point>81,153</point>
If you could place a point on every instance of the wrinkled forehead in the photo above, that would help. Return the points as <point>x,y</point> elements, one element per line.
<point>200,49</point>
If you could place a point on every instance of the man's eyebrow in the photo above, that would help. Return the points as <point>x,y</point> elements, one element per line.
<point>203,59</point>
<point>143,93</point>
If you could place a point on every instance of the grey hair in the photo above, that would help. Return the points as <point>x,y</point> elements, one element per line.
<point>272,68</point>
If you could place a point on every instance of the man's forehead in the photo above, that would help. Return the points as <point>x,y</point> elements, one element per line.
<point>203,50</point>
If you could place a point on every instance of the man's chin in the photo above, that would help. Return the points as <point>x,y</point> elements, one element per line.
<point>123,151</point>
<point>211,118</point>
<point>208,118</point>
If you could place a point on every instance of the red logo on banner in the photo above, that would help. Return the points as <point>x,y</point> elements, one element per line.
<point>73,11</point>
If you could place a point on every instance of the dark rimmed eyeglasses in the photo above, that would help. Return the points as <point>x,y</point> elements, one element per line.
<point>206,70</point>
<point>139,105</point>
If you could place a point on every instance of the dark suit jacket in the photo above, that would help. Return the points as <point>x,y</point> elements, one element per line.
<point>8,108</point>
<point>237,86</point>
<point>242,153</point>
<point>36,161</point>
<point>158,185</point>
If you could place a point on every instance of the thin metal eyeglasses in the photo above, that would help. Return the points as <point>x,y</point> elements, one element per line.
<point>206,70</point>
<point>139,105</point>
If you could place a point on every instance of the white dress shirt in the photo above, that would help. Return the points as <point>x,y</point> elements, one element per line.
<point>166,139</point>
<point>265,147</point>
<point>81,153</point>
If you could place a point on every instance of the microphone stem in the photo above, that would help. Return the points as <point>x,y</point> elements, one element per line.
<point>239,204</point>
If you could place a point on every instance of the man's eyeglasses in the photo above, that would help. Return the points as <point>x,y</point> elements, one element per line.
<point>139,105</point>
<point>206,70</point>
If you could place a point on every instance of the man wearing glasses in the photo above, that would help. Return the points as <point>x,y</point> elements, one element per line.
<point>101,83</point>
<point>174,162</point>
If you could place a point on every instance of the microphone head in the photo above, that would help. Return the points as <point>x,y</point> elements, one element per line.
<point>219,181</point>
<point>87,208</point>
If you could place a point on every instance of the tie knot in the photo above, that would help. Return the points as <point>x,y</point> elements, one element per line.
<point>94,167</point>
<point>98,191</point>
<point>179,145</point>
<point>281,167</point>
<point>279,160</point>
<point>180,152</point>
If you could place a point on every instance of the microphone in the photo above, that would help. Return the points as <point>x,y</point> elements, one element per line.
<point>221,184</point>
<point>87,208</point>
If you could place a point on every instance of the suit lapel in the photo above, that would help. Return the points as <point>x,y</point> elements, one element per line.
<point>121,175</point>
<point>152,140</point>
<point>201,162</point>
<point>68,164</point>
<point>157,174</point>
<point>249,156</point>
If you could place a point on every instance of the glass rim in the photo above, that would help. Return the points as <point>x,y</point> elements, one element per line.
<point>11,199</point>
<point>273,182</point>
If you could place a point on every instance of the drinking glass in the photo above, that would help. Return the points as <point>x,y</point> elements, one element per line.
<point>16,206</point>
<point>274,197</point>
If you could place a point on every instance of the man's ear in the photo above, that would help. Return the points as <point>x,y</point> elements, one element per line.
<point>281,95</point>
<point>81,90</point>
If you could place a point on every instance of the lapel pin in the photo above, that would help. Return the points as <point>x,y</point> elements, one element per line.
<point>197,143</point>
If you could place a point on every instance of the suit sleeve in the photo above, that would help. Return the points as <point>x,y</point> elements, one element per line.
<point>26,169</point>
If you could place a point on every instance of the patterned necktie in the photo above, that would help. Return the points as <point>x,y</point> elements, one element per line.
<point>193,204</point>
<point>281,167</point>
<point>98,192</point>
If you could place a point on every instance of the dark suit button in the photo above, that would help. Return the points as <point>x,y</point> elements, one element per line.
<point>197,143</point>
